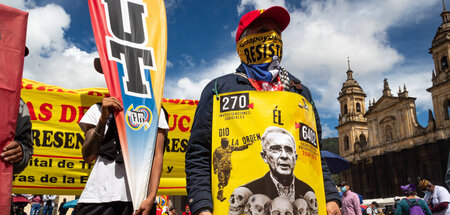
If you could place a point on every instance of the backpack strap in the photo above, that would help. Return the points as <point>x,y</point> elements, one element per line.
<point>411,204</point>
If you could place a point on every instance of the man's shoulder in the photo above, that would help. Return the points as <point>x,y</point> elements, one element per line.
<point>442,192</point>
<point>353,194</point>
<point>222,79</point>
<point>258,181</point>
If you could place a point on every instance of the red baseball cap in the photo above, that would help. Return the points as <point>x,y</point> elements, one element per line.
<point>277,13</point>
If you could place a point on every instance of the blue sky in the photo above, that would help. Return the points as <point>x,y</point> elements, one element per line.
<point>383,38</point>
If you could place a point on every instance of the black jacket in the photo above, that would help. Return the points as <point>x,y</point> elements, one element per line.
<point>265,185</point>
<point>198,154</point>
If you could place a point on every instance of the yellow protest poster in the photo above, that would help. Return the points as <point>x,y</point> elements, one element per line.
<point>57,166</point>
<point>181,116</point>
<point>265,155</point>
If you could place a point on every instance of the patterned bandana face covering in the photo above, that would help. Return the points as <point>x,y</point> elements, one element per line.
<point>261,55</point>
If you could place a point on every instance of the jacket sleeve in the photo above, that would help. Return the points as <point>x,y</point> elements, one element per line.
<point>398,209</point>
<point>331,193</point>
<point>198,154</point>
<point>23,137</point>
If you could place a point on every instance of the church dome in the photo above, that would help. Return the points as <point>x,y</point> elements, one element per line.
<point>350,85</point>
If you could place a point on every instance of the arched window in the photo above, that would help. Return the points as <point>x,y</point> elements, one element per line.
<point>358,107</point>
<point>346,143</point>
<point>444,62</point>
<point>388,133</point>
<point>345,109</point>
<point>362,140</point>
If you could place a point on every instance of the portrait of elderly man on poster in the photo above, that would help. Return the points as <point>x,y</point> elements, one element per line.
<point>279,153</point>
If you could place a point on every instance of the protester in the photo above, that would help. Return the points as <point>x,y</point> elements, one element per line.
<point>437,197</point>
<point>62,210</point>
<point>49,204</point>
<point>248,76</point>
<point>75,210</point>
<point>172,211</point>
<point>394,207</point>
<point>411,205</point>
<point>19,151</point>
<point>373,209</point>
<point>187,210</point>
<point>350,201</point>
<point>106,191</point>
<point>36,202</point>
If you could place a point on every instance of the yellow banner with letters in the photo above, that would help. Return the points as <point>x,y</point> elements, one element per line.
<point>265,155</point>
<point>57,166</point>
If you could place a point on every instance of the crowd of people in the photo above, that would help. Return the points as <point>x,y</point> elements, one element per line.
<point>435,201</point>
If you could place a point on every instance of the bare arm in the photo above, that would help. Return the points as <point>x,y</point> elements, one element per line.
<point>92,141</point>
<point>155,174</point>
<point>157,165</point>
<point>94,134</point>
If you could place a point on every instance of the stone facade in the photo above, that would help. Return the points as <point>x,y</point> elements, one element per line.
<point>390,125</point>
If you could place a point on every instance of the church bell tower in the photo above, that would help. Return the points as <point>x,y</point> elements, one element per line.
<point>352,126</point>
<point>440,91</point>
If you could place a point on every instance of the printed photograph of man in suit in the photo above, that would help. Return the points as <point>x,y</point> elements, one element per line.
<point>279,153</point>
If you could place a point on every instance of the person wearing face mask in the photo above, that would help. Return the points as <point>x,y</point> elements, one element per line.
<point>350,201</point>
<point>373,208</point>
<point>437,197</point>
<point>260,47</point>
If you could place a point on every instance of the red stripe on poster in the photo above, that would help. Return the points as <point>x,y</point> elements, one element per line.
<point>54,156</point>
<point>43,187</point>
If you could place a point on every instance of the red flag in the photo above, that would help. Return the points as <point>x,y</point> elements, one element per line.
<point>13,28</point>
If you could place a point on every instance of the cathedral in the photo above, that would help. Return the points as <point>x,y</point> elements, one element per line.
<point>385,144</point>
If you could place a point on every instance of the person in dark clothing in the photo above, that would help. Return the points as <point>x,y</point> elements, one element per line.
<point>19,151</point>
<point>62,210</point>
<point>248,76</point>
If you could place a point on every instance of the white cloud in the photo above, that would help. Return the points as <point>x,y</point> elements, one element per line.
<point>191,86</point>
<point>316,44</point>
<point>323,33</point>
<point>52,59</point>
<point>321,36</point>
<point>257,4</point>
<point>328,132</point>
<point>169,64</point>
<point>186,88</point>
